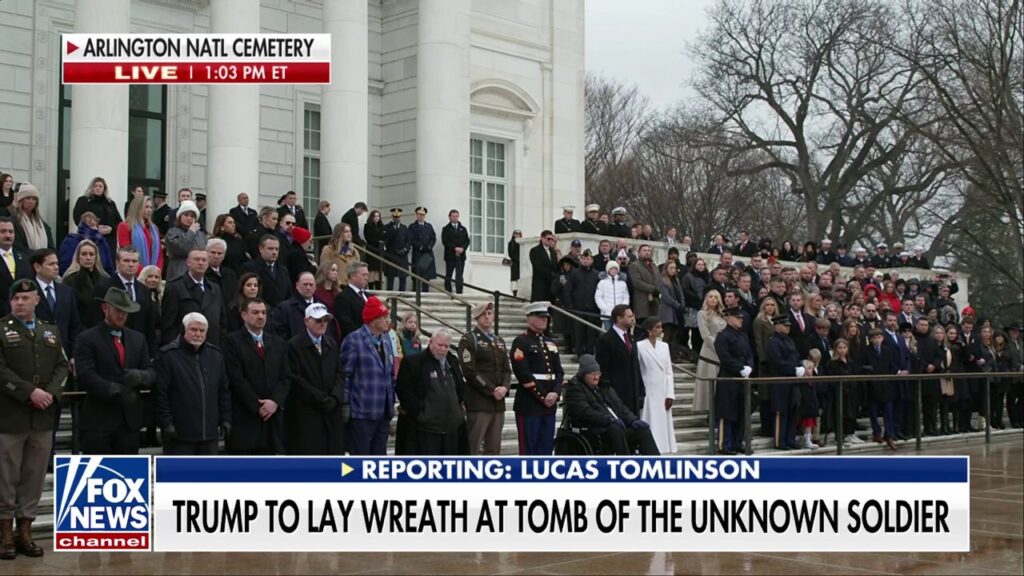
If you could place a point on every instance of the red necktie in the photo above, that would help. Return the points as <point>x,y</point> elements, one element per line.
<point>259,349</point>
<point>629,343</point>
<point>120,350</point>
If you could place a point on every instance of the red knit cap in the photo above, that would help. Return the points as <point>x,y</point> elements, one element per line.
<point>373,309</point>
<point>301,235</point>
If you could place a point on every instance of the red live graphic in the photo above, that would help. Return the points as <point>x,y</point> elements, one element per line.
<point>197,73</point>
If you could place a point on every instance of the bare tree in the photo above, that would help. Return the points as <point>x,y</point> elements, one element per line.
<point>617,117</point>
<point>970,55</point>
<point>814,85</point>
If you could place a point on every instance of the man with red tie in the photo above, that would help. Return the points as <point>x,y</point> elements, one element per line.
<point>113,366</point>
<point>617,355</point>
<point>260,380</point>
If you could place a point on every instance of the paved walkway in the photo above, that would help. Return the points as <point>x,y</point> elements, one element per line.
<point>997,547</point>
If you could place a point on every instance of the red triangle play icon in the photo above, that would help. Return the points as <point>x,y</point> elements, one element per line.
<point>71,47</point>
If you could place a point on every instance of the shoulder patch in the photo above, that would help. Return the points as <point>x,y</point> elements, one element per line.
<point>517,354</point>
<point>466,356</point>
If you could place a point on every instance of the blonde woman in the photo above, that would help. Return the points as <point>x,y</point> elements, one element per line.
<point>150,276</point>
<point>340,250</point>
<point>83,275</point>
<point>710,322</point>
<point>139,230</point>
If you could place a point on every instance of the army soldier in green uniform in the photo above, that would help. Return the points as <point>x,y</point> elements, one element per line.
<point>33,368</point>
<point>488,377</point>
<point>538,370</point>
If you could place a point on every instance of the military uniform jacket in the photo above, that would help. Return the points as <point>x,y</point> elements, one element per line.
<point>563,226</point>
<point>734,352</point>
<point>538,371</point>
<point>23,359</point>
<point>593,227</point>
<point>619,230</point>
<point>397,242</point>
<point>783,360</point>
<point>485,366</point>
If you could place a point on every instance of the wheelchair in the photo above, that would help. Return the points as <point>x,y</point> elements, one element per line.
<point>578,441</point>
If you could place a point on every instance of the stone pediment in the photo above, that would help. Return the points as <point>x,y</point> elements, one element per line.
<point>503,98</point>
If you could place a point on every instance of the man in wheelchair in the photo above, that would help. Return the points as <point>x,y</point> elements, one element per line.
<point>596,412</point>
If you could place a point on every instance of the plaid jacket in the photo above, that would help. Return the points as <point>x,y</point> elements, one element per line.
<point>371,384</point>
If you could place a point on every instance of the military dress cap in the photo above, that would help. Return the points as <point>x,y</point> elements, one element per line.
<point>22,286</point>
<point>119,298</point>
<point>159,194</point>
<point>396,211</point>
<point>618,210</point>
<point>419,210</point>
<point>826,241</point>
<point>881,246</point>
<point>593,208</point>
<point>539,308</point>
<point>200,196</point>
<point>781,319</point>
<point>569,208</point>
<point>732,311</point>
<point>481,309</point>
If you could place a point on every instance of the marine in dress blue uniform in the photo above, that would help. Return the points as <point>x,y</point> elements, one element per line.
<point>539,374</point>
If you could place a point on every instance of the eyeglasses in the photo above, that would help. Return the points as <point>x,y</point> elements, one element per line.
<point>321,320</point>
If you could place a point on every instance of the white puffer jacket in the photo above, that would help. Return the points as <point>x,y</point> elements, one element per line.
<point>611,291</point>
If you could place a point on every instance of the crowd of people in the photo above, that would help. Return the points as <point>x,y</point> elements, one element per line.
<point>249,335</point>
<point>830,313</point>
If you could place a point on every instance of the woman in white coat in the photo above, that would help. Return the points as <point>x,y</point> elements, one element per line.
<point>710,322</point>
<point>611,291</point>
<point>656,370</point>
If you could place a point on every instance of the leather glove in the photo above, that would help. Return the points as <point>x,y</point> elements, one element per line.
<point>138,379</point>
<point>128,396</point>
<point>169,432</point>
<point>746,371</point>
<point>619,423</point>
<point>640,425</point>
<point>225,429</point>
<point>329,403</point>
<point>346,413</point>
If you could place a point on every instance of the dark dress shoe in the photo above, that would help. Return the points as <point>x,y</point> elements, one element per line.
<point>727,452</point>
<point>890,444</point>
<point>876,439</point>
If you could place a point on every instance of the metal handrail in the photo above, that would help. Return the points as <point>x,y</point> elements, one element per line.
<point>852,378</point>
<point>425,312</point>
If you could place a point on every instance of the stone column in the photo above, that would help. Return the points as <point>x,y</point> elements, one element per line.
<point>233,150</point>
<point>345,108</point>
<point>442,109</point>
<point>99,114</point>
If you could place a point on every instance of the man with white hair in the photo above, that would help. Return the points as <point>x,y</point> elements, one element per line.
<point>432,412</point>
<point>217,273</point>
<point>192,399</point>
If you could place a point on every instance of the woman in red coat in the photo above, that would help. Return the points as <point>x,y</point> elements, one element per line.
<point>139,231</point>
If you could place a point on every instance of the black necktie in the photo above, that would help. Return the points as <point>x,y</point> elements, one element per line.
<point>50,299</point>
<point>129,286</point>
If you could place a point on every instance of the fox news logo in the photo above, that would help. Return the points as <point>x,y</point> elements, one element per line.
<point>102,503</point>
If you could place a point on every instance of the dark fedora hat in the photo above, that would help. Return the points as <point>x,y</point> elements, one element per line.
<point>118,298</point>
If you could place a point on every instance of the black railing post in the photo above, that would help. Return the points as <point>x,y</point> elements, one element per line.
<point>988,411</point>
<point>419,305</point>
<point>920,419</point>
<point>469,317</point>
<point>497,309</point>
<point>840,438</point>
<point>712,437</point>
<point>393,304</point>
<point>749,449</point>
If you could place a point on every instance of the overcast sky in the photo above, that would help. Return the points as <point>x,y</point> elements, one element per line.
<point>642,42</point>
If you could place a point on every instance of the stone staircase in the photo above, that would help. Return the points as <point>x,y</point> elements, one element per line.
<point>690,426</point>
